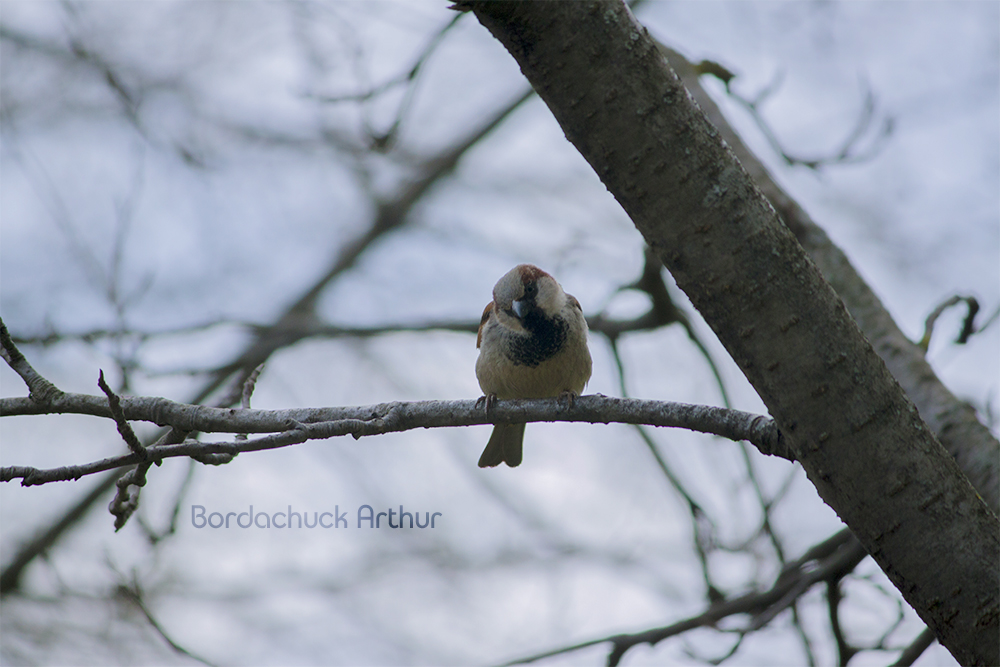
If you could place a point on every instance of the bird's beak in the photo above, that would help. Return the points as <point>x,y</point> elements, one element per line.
<point>519,308</point>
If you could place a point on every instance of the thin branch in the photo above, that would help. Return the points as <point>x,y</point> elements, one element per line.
<point>124,428</point>
<point>397,80</point>
<point>849,152</point>
<point>699,518</point>
<point>915,649</point>
<point>384,141</point>
<point>126,500</point>
<point>968,324</point>
<point>303,330</point>
<point>129,485</point>
<point>40,390</point>
<point>248,387</point>
<point>833,597</point>
<point>838,554</point>
<point>134,595</point>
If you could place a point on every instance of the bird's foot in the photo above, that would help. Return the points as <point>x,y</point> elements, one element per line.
<point>568,398</point>
<point>489,400</point>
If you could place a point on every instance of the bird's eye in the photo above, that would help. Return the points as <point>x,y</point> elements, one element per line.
<point>530,289</point>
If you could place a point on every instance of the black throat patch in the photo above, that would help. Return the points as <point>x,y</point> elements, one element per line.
<point>545,337</point>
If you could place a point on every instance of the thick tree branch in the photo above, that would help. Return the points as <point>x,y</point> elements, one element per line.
<point>290,427</point>
<point>953,421</point>
<point>859,438</point>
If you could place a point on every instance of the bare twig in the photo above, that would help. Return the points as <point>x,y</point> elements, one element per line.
<point>126,500</point>
<point>968,324</point>
<point>40,390</point>
<point>701,522</point>
<point>397,80</point>
<point>129,485</point>
<point>124,428</point>
<point>384,141</point>
<point>662,312</point>
<point>249,385</point>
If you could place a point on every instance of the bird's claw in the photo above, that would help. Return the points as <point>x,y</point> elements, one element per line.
<point>490,401</point>
<point>568,397</point>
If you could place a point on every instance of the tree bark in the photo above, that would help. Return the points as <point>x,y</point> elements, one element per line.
<point>859,438</point>
<point>953,421</point>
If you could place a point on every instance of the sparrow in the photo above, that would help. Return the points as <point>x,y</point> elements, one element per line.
<point>532,344</point>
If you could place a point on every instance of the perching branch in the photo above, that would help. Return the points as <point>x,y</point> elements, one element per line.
<point>292,427</point>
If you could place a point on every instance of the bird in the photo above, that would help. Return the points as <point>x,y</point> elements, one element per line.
<point>532,344</point>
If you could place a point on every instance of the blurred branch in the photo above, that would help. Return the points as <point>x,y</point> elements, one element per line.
<point>406,77</point>
<point>968,324</point>
<point>155,536</point>
<point>662,312</point>
<point>11,575</point>
<point>129,92</point>
<point>382,142</point>
<point>133,594</point>
<point>915,649</point>
<point>835,556</point>
<point>833,598</point>
<point>850,151</point>
<point>291,427</point>
<point>702,523</point>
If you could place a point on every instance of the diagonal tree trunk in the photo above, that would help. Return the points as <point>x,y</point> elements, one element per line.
<point>857,435</point>
<point>953,421</point>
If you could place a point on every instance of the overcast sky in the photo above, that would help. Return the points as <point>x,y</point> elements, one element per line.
<point>226,180</point>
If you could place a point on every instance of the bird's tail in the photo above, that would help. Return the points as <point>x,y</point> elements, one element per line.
<point>504,446</point>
